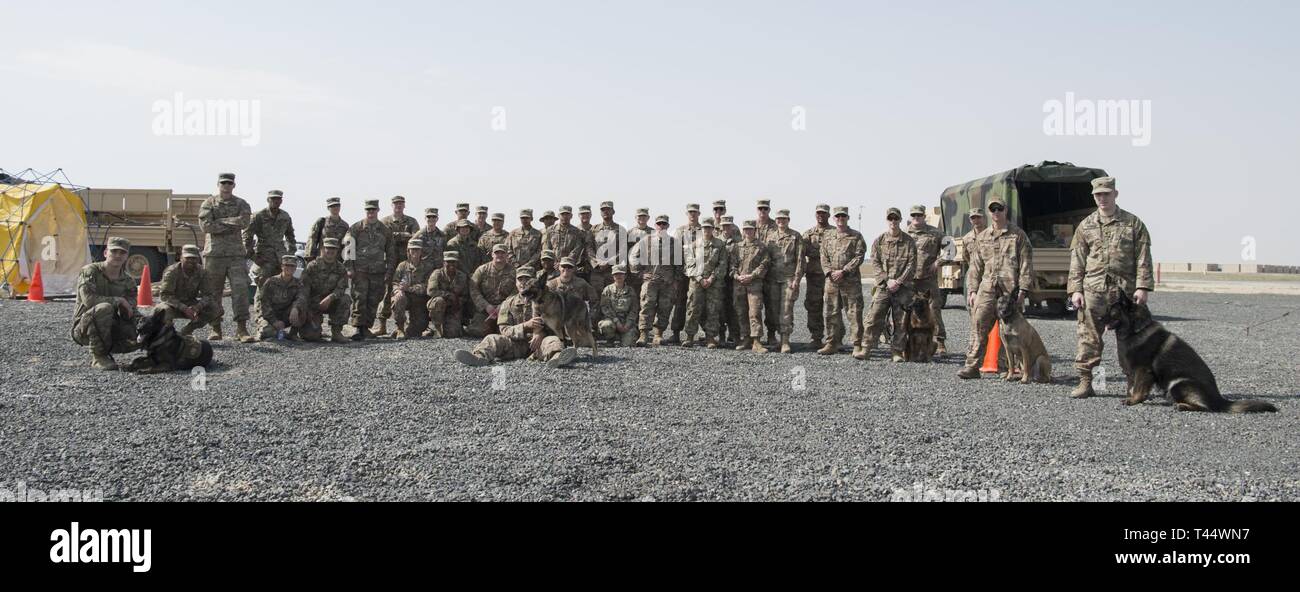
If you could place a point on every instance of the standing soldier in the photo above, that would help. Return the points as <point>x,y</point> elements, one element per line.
<point>929,247</point>
<point>481,223</point>
<point>620,309</point>
<point>606,250</point>
<point>766,231</point>
<point>463,243</point>
<point>584,218</point>
<point>282,303</point>
<point>401,228</point>
<point>269,237</point>
<point>105,316</point>
<point>1003,258</point>
<point>489,286</point>
<point>462,213</point>
<point>525,242</point>
<point>706,270</point>
<point>781,288</point>
<point>1111,253</point>
<point>330,226</point>
<point>495,235</point>
<point>719,210</point>
<point>893,261</point>
<point>432,238</point>
<point>223,217</point>
<point>686,236</point>
<point>634,236</point>
<point>730,322</point>
<point>764,225</point>
<point>370,239</point>
<point>326,280</point>
<point>654,260</point>
<point>566,240</point>
<point>184,291</point>
<point>842,255</point>
<point>548,220</point>
<point>749,260</point>
<point>816,278</point>
<point>410,280</point>
<point>968,244</point>
<point>522,334</point>
<point>449,300</point>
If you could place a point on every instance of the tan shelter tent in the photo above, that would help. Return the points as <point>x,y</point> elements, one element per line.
<point>43,222</point>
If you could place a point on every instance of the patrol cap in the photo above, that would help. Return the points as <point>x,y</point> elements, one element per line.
<point>333,201</point>
<point>728,221</point>
<point>548,254</point>
<point>566,209</point>
<point>783,214</point>
<point>617,269</point>
<point>452,256</point>
<point>765,203</point>
<point>720,203</point>
<point>1103,185</point>
<point>226,177</point>
<point>707,223</point>
<point>524,272</point>
<point>751,225</point>
<point>823,208</point>
<point>995,200</point>
<point>692,207</point>
<point>526,213</point>
<point>289,260</point>
<point>841,211</point>
<point>372,204</point>
<point>918,210</point>
<point>643,211</point>
<point>463,224</point>
<point>548,214</point>
<point>330,243</point>
<point>975,212</point>
<point>499,216</point>
<point>190,251</point>
<point>118,243</point>
<point>462,206</point>
<point>430,212</point>
<point>415,243</point>
<point>661,219</point>
<point>893,212</point>
<point>584,209</point>
<point>481,210</point>
<point>398,199</point>
<point>275,193</point>
<point>566,262</point>
<point>606,204</point>
<point>500,247</point>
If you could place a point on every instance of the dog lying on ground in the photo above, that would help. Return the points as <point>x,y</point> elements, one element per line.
<point>1152,356</point>
<point>1026,355</point>
<point>165,348</point>
<point>565,314</point>
<point>919,323</point>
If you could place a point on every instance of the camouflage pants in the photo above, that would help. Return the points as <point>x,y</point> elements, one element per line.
<point>774,292</point>
<point>386,302</point>
<point>208,312</point>
<point>367,291</point>
<point>105,330</point>
<point>1090,330</point>
<point>679,305</point>
<point>844,298</point>
<point>267,265</point>
<point>884,308</point>
<point>931,286</point>
<point>729,320</point>
<point>706,302</point>
<point>608,329</point>
<point>219,270</point>
<point>446,318</point>
<point>338,314</point>
<point>599,279</point>
<point>982,318</point>
<point>266,327</point>
<point>501,348</point>
<point>748,301</point>
<point>656,305</point>
<point>812,303</point>
<point>481,324</point>
<point>414,306</point>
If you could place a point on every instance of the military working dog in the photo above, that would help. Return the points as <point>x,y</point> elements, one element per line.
<point>1026,354</point>
<point>919,323</point>
<point>165,348</point>
<point>565,314</point>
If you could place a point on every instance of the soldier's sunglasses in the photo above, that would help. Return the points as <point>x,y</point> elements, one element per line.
<point>996,208</point>
<point>226,183</point>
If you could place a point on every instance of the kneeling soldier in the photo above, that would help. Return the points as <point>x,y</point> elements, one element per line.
<point>410,281</point>
<point>326,281</point>
<point>522,334</point>
<point>449,302</point>
<point>105,315</point>
<point>282,303</point>
<point>183,291</point>
<point>619,308</point>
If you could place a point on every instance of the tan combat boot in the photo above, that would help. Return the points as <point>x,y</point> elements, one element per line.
<point>641,340</point>
<point>336,334</point>
<point>744,343</point>
<point>659,337</point>
<point>1084,389</point>
<point>470,358</point>
<point>785,344</point>
<point>940,349</point>
<point>102,361</point>
<point>382,330</point>
<point>400,331</point>
<point>968,372</point>
<point>758,347</point>
<point>815,343</point>
<point>710,343</point>
<point>214,331</point>
<point>689,341</point>
<point>241,332</point>
<point>829,348</point>
<point>861,352</point>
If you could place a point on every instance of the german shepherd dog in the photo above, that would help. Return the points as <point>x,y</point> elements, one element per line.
<point>564,313</point>
<point>165,348</point>
<point>1152,356</point>
<point>1026,354</point>
<point>918,321</point>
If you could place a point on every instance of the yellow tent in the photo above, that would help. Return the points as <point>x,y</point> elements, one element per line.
<point>46,223</point>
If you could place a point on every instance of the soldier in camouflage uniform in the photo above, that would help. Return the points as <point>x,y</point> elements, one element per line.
<point>813,274</point>
<point>462,213</point>
<point>370,239</point>
<point>719,210</point>
<point>326,279</point>
<point>432,237</point>
<point>842,255</point>
<point>567,240</point>
<point>525,242</point>
<point>489,286</point>
<point>634,236</point>
<point>548,220</point>
<point>568,281</point>
<point>750,260</point>
<point>184,291</point>
<point>893,262</point>
<point>410,281</point>
<point>105,316</point>
<point>620,309</point>
<point>223,217</point>
<point>494,235</point>
<point>584,217</point>
<point>730,321</point>
<point>269,237</point>
<point>929,249</point>
<point>781,287</point>
<point>282,303</point>
<point>705,271</point>
<point>686,236</point>
<point>481,223</point>
<point>401,228</point>
<point>968,243</point>
<point>549,270</point>
<point>331,226</point>
<point>1111,253</point>
<point>1003,257</point>
<point>654,259</point>
<point>449,300</point>
<point>522,334</point>
<point>463,243</point>
<point>766,230</point>
<point>606,251</point>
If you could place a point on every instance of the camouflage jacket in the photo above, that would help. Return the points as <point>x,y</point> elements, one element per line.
<point>224,222</point>
<point>474,231</point>
<point>470,255</point>
<point>413,279</point>
<point>708,259</point>
<point>179,289</point>
<point>491,285</point>
<point>514,312</point>
<point>843,252</point>
<point>577,286</point>
<point>634,236</point>
<point>893,258</point>
<point>491,238</point>
<point>750,257</point>
<point>269,237</point>
<point>277,296</point>
<point>620,305</point>
<point>94,288</point>
<point>606,248</point>
<point>567,241</point>
<point>324,228</point>
<point>1002,258</point>
<point>929,246</point>
<point>812,248</point>
<point>525,247</point>
<point>1105,252</point>
<point>686,235</point>
<point>442,285</point>
<point>787,255</point>
<point>766,232</point>
<point>400,231</point>
<point>435,240</point>
<point>657,255</point>
<point>370,243</point>
<point>968,246</point>
<point>324,279</point>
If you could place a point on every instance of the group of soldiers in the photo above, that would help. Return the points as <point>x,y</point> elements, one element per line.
<point>644,286</point>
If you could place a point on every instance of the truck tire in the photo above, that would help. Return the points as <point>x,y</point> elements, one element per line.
<point>138,257</point>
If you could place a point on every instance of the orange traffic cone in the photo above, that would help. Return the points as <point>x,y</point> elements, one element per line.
<point>992,350</point>
<point>36,291</point>
<point>144,294</point>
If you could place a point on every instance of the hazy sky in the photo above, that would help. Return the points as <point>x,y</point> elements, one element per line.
<point>660,104</point>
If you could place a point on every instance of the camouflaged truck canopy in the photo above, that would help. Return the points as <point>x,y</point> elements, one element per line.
<point>1012,186</point>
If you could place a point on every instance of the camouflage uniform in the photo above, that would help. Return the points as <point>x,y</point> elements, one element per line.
<point>730,322</point>
<point>619,306</point>
<point>929,245</point>
<point>325,227</point>
<point>567,240</point>
<point>578,287</point>
<point>179,290</point>
<point>401,230</point>
<point>449,302</point>
<point>892,258</point>
<point>512,343</point>
<point>97,321</point>
<point>708,260</point>
<point>489,286</point>
<point>370,242</point>
<point>223,254</point>
<point>749,257</point>
<point>411,282</point>
<point>968,248</point>
<point>1002,258</point>
<point>474,231</point>
<point>787,264</point>
<point>435,241</point>
<point>686,236</point>
<point>654,255</point>
<point>816,278</point>
<point>605,253</point>
<point>276,300</point>
<point>323,280</point>
<point>470,255</point>
<point>1107,256</point>
<point>269,237</point>
<point>843,252</point>
<point>634,236</point>
<point>491,238</point>
<point>525,246</point>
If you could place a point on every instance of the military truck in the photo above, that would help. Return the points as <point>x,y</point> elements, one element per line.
<point>950,258</point>
<point>156,221</point>
<point>1048,201</point>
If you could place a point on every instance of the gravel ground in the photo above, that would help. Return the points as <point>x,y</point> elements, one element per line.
<point>390,420</point>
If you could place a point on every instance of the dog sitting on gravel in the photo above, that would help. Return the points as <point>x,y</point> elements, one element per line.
<point>165,348</point>
<point>919,323</point>
<point>1026,354</point>
<point>1152,356</point>
<point>565,314</point>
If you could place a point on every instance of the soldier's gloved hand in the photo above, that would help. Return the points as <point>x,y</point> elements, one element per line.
<point>1077,300</point>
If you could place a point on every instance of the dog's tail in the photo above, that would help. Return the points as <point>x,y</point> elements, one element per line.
<point>1250,406</point>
